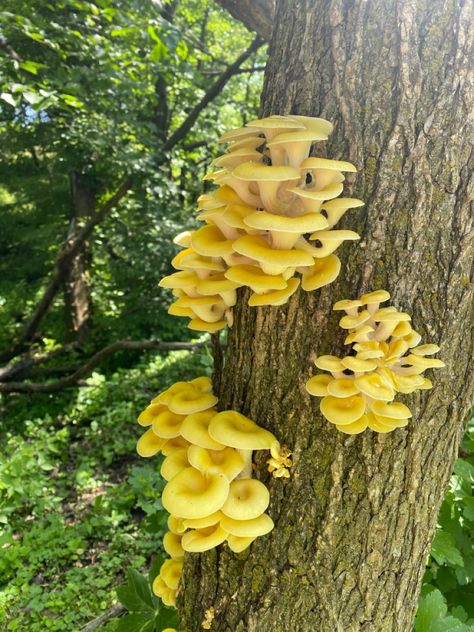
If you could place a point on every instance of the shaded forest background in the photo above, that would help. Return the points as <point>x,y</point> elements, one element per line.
<point>109,117</point>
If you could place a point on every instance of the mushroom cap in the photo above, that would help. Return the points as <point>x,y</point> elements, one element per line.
<point>346,305</point>
<point>176,525</point>
<point>202,383</point>
<point>331,239</point>
<point>257,248</point>
<point>197,324</point>
<point>195,430</point>
<point>342,387</point>
<point>298,136</point>
<point>235,214</point>
<point>321,273</point>
<point>182,279</point>
<point>176,310</point>
<point>263,220</point>
<point>386,315</point>
<point>239,133</point>
<point>202,523</point>
<point>191,400</point>
<point>149,444</point>
<point>275,297</point>
<point>327,193</point>
<point>248,498</point>
<point>423,362</point>
<point>190,260</point>
<point>172,545</point>
<point>237,544</point>
<point>237,431</point>
<point>326,163</point>
<point>165,396</point>
<point>199,540</point>
<point>372,385</point>
<point>377,296</point>
<point>253,528</point>
<point>394,410</point>
<point>183,239</point>
<point>234,158</point>
<point>359,335</point>
<point>318,385</point>
<point>276,121</point>
<point>357,365</point>
<point>177,443</point>
<point>255,278</point>
<point>151,412</point>
<point>342,410</point>
<point>356,427</point>
<point>171,571</point>
<point>227,461</point>
<point>215,284</point>
<point>258,172</point>
<point>408,383</point>
<point>167,424</point>
<point>251,142</point>
<point>174,463</point>
<point>191,494</point>
<point>314,123</point>
<point>424,350</point>
<point>210,242</point>
<point>329,363</point>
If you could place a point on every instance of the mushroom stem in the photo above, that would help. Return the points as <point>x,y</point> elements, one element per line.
<point>248,467</point>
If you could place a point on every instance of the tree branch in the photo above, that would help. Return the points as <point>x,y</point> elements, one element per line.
<point>213,91</point>
<point>114,611</point>
<point>22,365</point>
<point>70,248</point>
<point>257,15</point>
<point>95,360</point>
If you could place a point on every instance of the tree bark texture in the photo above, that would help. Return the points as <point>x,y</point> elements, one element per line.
<point>77,291</point>
<point>354,523</point>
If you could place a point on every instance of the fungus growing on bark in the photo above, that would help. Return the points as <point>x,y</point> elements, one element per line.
<point>271,218</point>
<point>208,469</point>
<point>359,389</point>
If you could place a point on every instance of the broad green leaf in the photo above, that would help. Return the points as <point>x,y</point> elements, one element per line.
<point>8,98</point>
<point>444,549</point>
<point>140,622</point>
<point>464,469</point>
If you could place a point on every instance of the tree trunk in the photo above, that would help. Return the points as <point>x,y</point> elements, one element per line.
<point>77,292</point>
<point>354,523</point>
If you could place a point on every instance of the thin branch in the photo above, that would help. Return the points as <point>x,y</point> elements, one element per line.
<point>95,360</point>
<point>68,251</point>
<point>240,71</point>
<point>26,363</point>
<point>5,46</point>
<point>213,91</point>
<point>111,613</point>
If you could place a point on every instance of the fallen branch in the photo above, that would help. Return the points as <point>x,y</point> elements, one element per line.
<point>30,361</point>
<point>114,611</point>
<point>95,360</point>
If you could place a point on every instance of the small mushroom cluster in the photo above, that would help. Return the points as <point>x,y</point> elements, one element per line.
<point>273,215</point>
<point>358,390</point>
<point>210,493</point>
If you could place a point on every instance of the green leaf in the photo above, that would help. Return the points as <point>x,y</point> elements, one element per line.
<point>141,587</point>
<point>31,66</point>
<point>464,469</point>
<point>167,618</point>
<point>136,594</point>
<point>158,52</point>
<point>140,622</point>
<point>155,568</point>
<point>445,551</point>
<point>431,616</point>
<point>8,98</point>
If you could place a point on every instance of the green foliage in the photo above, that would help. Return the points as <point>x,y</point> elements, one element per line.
<point>449,579</point>
<point>78,506</point>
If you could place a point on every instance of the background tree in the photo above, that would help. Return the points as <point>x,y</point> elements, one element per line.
<point>355,521</point>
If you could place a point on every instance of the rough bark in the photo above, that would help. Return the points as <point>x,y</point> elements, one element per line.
<point>77,291</point>
<point>353,525</point>
<point>257,15</point>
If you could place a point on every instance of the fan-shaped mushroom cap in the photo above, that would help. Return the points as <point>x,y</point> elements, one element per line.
<point>227,461</point>
<point>215,284</point>
<point>389,315</point>
<point>237,157</point>
<point>347,306</point>
<point>356,427</point>
<point>272,261</point>
<point>176,310</point>
<point>183,279</point>
<point>177,443</point>
<point>394,410</point>
<point>361,334</point>
<point>331,239</point>
<point>159,587</point>
<point>253,528</point>
<point>254,278</point>
<point>372,385</point>
<point>318,385</point>
<point>210,242</point>
<point>334,209</point>
<point>314,123</point>
<point>149,444</point>
<point>312,199</point>
<point>176,525</point>
<point>191,400</point>
<point>175,463</point>
<point>237,545</point>
<point>167,424</point>
<point>199,540</point>
<point>294,146</point>
<point>342,387</point>
<point>201,325</point>
<point>191,494</point>
<point>172,545</point>
<point>235,214</point>
<point>378,296</point>
<point>171,571</point>
<point>272,125</point>
<point>285,230</point>
<point>275,297</point>
<point>423,362</point>
<point>237,431</point>
<point>268,178</point>
<point>239,133</point>
<point>375,424</point>
<point>408,383</point>
<point>323,272</point>
<point>401,330</point>
<point>202,383</point>
<point>327,163</point>
<point>251,142</point>
<point>342,410</point>
<point>424,350</point>
<point>247,499</point>
<point>329,363</point>
<point>151,412</point>
<point>202,523</point>
<point>357,365</point>
<point>195,430</point>
<point>353,322</point>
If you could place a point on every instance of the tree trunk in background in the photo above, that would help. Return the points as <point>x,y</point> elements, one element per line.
<point>354,523</point>
<point>77,291</point>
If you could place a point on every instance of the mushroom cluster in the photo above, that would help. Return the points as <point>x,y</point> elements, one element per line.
<point>210,493</point>
<point>358,390</point>
<point>272,216</point>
